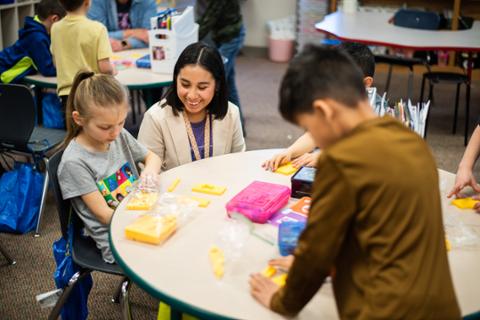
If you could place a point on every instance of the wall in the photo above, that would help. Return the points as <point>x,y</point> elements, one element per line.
<point>256,13</point>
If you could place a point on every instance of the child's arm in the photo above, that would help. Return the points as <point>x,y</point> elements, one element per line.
<point>308,159</point>
<point>98,206</point>
<point>153,164</point>
<point>302,145</point>
<point>465,175</point>
<point>106,67</point>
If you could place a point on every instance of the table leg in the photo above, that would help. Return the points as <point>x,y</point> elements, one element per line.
<point>175,314</point>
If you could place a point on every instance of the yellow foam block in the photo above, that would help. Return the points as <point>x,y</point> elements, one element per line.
<point>173,185</point>
<point>448,245</point>
<point>154,230</point>
<point>280,280</point>
<point>142,201</point>
<point>209,189</point>
<point>286,169</point>
<point>269,271</point>
<point>464,203</point>
<point>217,259</point>
<point>202,203</point>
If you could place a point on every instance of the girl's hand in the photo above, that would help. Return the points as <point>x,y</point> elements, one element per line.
<point>262,289</point>
<point>283,263</point>
<point>307,159</point>
<point>149,181</point>
<point>277,160</point>
<point>463,179</point>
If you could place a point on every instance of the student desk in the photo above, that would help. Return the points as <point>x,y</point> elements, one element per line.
<point>373,28</point>
<point>132,77</point>
<point>178,272</point>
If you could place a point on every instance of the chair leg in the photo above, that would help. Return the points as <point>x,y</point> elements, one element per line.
<point>422,88</point>
<point>7,256</point>
<point>118,291</point>
<point>55,313</point>
<point>389,76</point>
<point>42,202</point>
<point>455,115</point>
<point>124,301</point>
<point>430,92</point>
<point>467,113</point>
<point>410,84</point>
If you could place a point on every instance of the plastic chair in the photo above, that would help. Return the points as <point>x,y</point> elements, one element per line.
<point>7,256</point>
<point>19,134</point>
<point>454,78</point>
<point>84,250</point>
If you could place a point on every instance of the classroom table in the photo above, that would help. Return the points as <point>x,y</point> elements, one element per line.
<point>178,271</point>
<point>132,77</point>
<point>374,28</point>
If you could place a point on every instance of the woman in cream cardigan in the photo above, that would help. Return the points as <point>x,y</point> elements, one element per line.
<point>194,120</point>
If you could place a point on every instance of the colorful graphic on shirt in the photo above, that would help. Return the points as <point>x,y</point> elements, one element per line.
<point>117,186</point>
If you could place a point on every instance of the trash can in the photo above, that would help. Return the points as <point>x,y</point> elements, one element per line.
<point>281,40</point>
<point>280,50</point>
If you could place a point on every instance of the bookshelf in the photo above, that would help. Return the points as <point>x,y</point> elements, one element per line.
<point>11,20</point>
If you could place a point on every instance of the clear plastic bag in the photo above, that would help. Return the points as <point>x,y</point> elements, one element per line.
<point>459,234</point>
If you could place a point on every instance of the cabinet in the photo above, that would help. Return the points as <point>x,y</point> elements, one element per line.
<point>11,20</point>
<point>310,12</point>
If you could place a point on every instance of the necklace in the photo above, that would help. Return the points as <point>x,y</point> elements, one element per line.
<point>193,141</point>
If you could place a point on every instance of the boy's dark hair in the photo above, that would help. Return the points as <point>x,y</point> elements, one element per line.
<point>209,58</point>
<point>362,55</point>
<point>320,73</point>
<point>47,8</point>
<point>71,5</point>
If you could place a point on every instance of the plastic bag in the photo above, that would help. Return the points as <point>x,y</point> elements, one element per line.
<point>21,190</point>
<point>76,307</point>
<point>52,111</point>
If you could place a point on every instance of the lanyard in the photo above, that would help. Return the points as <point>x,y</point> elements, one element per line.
<point>193,141</point>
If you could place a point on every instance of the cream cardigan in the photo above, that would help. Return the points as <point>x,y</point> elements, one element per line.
<point>164,134</point>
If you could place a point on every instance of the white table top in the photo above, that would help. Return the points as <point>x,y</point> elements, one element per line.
<point>179,273</point>
<point>132,77</point>
<point>374,28</point>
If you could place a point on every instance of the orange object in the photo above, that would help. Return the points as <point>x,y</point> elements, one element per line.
<point>302,206</point>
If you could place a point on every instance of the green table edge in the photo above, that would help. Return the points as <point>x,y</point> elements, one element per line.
<point>40,84</point>
<point>172,302</point>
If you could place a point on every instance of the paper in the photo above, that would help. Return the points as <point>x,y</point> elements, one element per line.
<point>209,189</point>
<point>286,169</point>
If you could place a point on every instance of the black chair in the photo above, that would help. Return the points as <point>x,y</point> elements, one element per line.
<point>453,78</point>
<point>84,250</point>
<point>6,255</point>
<point>392,60</point>
<point>19,134</point>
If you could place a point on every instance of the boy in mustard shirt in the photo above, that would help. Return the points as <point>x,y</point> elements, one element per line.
<point>375,215</point>
<point>79,43</point>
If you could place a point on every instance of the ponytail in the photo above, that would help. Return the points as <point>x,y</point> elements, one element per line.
<point>89,89</point>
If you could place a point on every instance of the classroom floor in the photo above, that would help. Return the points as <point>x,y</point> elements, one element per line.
<point>258,81</point>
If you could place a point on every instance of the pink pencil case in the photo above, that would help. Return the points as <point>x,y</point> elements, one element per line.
<point>259,201</point>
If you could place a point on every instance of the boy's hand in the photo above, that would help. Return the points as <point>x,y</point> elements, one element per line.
<point>463,179</point>
<point>262,289</point>
<point>277,160</point>
<point>283,263</point>
<point>116,45</point>
<point>308,159</point>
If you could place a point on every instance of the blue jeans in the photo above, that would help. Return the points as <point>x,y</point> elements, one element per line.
<point>230,51</point>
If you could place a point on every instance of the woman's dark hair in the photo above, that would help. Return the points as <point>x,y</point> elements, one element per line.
<point>209,58</point>
<point>320,73</point>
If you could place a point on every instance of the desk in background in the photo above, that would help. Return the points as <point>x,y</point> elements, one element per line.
<point>179,273</point>
<point>132,77</point>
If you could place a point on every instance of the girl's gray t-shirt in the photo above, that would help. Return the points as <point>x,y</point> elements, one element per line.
<point>112,173</point>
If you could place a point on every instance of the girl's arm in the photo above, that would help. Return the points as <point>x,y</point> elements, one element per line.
<point>302,145</point>
<point>153,164</point>
<point>98,206</point>
<point>106,67</point>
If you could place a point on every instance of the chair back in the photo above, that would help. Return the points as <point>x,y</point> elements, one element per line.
<point>63,206</point>
<point>17,116</point>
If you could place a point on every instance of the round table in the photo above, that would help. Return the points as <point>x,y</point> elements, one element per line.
<point>132,77</point>
<point>179,273</point>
